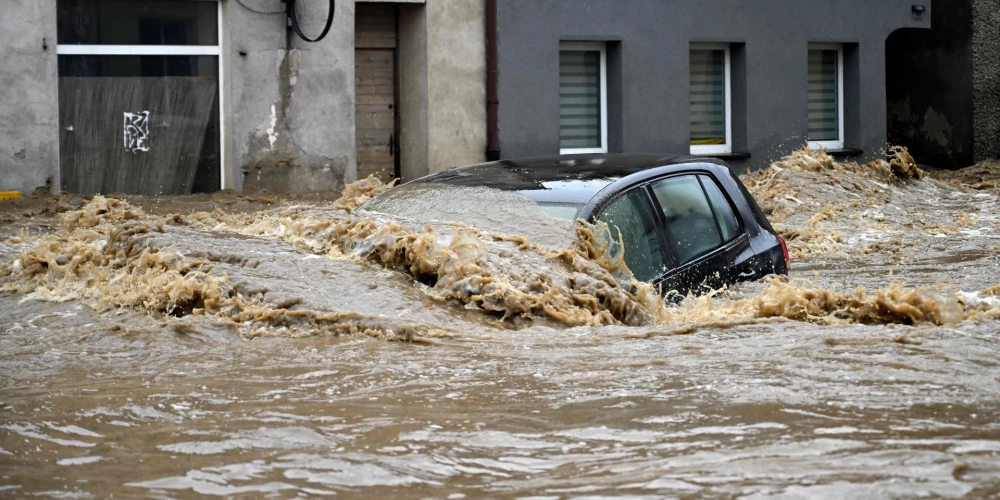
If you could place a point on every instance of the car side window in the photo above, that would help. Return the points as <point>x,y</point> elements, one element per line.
<point>630,214</point>
<point>688,216</point>
<point>723,209</point>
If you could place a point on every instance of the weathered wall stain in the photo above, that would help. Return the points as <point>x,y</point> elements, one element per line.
<point>274,160</point>
<point>269,142</point>
<point>293,102</point>
<point>937,129</point>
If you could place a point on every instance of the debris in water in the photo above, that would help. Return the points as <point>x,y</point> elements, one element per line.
<point>357,193</point>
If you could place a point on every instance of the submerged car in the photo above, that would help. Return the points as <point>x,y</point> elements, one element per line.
<point>686,224</point>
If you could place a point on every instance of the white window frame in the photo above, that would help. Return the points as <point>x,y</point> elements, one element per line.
<point>170,50</point>
<point>601,47</point>
<point>728,146</point>
<point>838,144</point>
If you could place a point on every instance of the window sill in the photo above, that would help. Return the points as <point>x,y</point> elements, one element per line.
<point>844,152</point>
<point>736,155</point>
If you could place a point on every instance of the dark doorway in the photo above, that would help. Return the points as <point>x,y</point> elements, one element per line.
<point>929,87</point>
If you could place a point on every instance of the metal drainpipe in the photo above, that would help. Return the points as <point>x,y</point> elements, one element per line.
<point>492,72</point>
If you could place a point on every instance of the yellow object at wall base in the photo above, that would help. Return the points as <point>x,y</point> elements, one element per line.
<point>10,195</point>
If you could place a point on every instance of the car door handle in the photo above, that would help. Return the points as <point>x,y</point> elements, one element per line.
<point>748,274</point>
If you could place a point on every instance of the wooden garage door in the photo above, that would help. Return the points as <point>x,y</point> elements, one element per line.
<point>375,91</point>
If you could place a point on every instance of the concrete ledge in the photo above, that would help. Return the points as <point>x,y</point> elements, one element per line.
<point>735,155</point>
<point>845,152</point>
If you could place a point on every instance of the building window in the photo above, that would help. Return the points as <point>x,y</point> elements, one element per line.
<point>711,99</point>
<point>140,96</point>
<point>826,96</point>
<point>583,98</point>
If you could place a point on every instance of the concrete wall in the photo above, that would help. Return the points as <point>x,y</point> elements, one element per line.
<point>291,103</point>
<point>413,91</point>
<point>442,56</point>
<point>288,105</point>
<point>653,39</point>
<point>293,114</point>
<point>930,87</point>
<point>289,113</point>
<point>29,107</point>
<point>456,90</point>
<point>986,78</point>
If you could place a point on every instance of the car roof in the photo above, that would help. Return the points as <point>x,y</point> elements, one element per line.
<point>571,179</point>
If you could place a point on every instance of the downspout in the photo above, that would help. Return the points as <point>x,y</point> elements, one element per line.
<point>492,72</point>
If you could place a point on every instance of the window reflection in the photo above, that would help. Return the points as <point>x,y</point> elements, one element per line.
<point>688,216</point>
<point>630,215</point>
<point>130,22</point>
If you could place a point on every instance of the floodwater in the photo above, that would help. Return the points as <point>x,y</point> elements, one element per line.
<point>299,348</point>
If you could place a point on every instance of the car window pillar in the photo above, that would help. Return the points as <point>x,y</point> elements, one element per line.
<point>667,240</point>
<point>715,210</point>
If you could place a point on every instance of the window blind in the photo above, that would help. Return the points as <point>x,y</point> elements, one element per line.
<point>580,99</point>
<point>824,95</point>
<point>708,97</point>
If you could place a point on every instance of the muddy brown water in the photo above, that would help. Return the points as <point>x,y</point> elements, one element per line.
<point>290,348</point>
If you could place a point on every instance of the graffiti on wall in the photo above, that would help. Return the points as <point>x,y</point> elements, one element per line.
<point>137,131</point>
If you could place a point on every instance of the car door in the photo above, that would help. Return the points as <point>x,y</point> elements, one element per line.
<point>635,231</point>
<point>709,246</point>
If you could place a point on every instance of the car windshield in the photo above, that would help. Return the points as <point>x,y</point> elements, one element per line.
<point>564,211</point>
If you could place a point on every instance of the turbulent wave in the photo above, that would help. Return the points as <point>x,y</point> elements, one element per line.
<point>111,254</point>
<point>822,206</point>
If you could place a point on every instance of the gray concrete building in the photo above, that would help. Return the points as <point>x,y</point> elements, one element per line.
<point>177,96</point>
<point>748,81</point>
<point>985,78</point>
